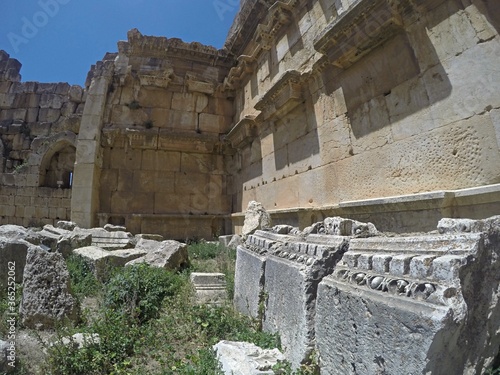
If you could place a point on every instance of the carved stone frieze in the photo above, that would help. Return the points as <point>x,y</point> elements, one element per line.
<point>358,31</point>
<point>243,132</point>
<point>285,95</point>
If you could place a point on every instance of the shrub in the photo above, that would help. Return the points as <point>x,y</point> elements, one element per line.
<point>138,291</point>
<point>83,281</point>
<point>203,250</point>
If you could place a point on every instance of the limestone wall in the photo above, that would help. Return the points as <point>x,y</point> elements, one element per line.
<point>38,127</point>
<point>345,101</point>
<point>152,152</point>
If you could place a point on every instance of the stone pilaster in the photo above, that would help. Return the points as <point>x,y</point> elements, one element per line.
<point>85,198</point>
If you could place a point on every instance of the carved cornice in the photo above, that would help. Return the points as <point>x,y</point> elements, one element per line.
<point>278,14</point>
<point>362,28</point>
<point>366,25</point>
<point>285,95</point>
<point>243,132</point>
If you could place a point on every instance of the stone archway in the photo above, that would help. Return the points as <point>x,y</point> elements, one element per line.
<point>56,168</point>
<point>54,158</point>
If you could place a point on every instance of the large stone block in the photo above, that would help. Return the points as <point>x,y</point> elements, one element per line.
<point>249,282</point>
<point>292,275</point>
<point>47,295</point>
<point>408,305</point>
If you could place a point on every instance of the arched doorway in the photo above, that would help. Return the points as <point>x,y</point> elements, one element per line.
<point>56,169</point>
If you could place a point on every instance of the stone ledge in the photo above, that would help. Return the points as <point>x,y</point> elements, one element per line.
<point>352,35</point>
<point>243,132</point>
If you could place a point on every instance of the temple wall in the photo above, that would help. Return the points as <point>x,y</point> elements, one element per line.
<point>400,101</point>
<point>160,156</point>
<point>38,127</point>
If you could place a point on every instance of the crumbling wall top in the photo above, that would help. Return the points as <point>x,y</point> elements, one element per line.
<point>161,47</point>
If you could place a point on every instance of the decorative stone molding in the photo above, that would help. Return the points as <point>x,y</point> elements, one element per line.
<point>358,31</point>
<point>285,95</point>
<point>277,15</point>
<point>243,132</point>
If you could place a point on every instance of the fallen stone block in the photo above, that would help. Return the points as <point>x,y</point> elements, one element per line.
<point>250,268</point>
<point>13,260</point>
<point>256,217</point>
<point>292,275</point>
<point>114,228</point>
<point>81,340</point>
<point>68,225</point>
<point>101,260</point>
<point>67,243</point>
<point>47,295</point>
<point>109,240</point>
<point>210,288</point>
<point>224,240</point>
<point>412,305</point>
<point>243,358</point>
<point>146,236</point>
<point>170,255</point>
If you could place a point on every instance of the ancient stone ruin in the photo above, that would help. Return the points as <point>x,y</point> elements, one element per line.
<point>386,112</point>
<point>374,304</point>
<point>380,111</point>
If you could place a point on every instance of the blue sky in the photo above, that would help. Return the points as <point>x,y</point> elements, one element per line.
<point>58,40</point>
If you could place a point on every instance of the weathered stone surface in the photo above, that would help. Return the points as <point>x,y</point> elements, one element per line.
<point>292,275</point>
<point>145,236</point>
<point>81,340</point>
<point>285,229</point>
<point>13,255</point>
<point>256,217</point>
<point>249,282</point>
<point>210,288</point>
<point>67,225</point>
<point>345,227</point>
<point>47,296</point>
<point>224,240</point>
<point>71,241</point>
<point>448,225</point>
<point>251,259</point>
<point>4,360</point>
<point>101,260</point>
<point>109,240</point>
<point>409,304</point>
<point>170,255</point>
<point>236,241</point>
<point>243,358</point>
<point>115,228</point>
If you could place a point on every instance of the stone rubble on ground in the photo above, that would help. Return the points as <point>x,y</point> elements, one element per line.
<point>101,260</point>
<point>169,254</point>
<point>210,288</point>
<point>243,358</point>
<point>81,340</point>
<point>47,295</point>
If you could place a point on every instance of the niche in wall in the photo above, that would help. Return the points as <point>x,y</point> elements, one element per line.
<point>56,170</point>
